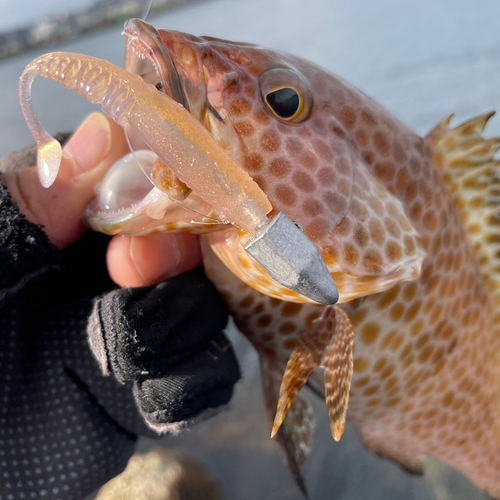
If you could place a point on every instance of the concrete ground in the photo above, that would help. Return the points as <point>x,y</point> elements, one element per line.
<point>421,59</point>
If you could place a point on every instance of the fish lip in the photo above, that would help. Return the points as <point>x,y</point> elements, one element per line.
<point>145,42</point>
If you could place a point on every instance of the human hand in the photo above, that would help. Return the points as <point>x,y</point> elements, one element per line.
<point>95,146</point>
<point>183,316</point>
<point>164,341</point>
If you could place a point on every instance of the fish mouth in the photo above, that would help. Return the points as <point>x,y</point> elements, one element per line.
<point>144,41</point>
<point>123,195</point>
<point>124,199</point>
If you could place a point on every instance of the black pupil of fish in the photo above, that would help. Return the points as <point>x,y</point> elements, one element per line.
<point>284,102</point>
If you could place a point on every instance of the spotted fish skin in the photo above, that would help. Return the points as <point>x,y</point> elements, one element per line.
<point>380,203</point>
<point>426,350</point>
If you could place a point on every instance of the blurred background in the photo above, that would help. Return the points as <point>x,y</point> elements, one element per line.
<point>421,59</point>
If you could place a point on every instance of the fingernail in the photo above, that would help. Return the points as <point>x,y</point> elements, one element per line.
<point>155,257</point>
<point>90,143</point>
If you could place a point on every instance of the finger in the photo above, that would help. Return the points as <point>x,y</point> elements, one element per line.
<point>96,145</point>
<point>146,260</point>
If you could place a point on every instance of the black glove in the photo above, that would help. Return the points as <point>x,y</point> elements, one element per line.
<point>166,341</point>
<point>65,429</point>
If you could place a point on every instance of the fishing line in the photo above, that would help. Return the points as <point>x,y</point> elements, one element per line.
<point>322,316</point>
<point>135,157</point>
<point>146,11</point>
<point>178,203</point>
<point>143,17</point>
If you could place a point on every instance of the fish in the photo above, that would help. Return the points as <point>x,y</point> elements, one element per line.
<point>407,226</point>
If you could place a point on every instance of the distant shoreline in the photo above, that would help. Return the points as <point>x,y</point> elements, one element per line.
<point>60,27</point>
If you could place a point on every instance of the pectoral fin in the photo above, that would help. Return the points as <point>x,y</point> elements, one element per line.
<point>338,372</point>
<point>295,435</point>
<point>329,342</point>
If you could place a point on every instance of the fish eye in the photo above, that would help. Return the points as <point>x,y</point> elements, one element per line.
<point>284,102</point>
<point>286,94</point>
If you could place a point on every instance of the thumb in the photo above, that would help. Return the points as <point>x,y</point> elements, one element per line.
<point>96,145</point>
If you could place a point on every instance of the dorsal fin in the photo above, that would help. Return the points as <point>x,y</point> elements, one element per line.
<point>473,174</point>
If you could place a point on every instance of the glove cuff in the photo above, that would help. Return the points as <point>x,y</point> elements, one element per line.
<point>25,250</point>
<point>105,325</point>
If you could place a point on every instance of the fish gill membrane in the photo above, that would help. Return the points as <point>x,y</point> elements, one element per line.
<point>175,135</point>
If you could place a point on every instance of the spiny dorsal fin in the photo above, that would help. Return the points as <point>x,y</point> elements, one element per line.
<point>473,174</point>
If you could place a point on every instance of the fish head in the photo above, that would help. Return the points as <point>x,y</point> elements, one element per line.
<point>273,113</point>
